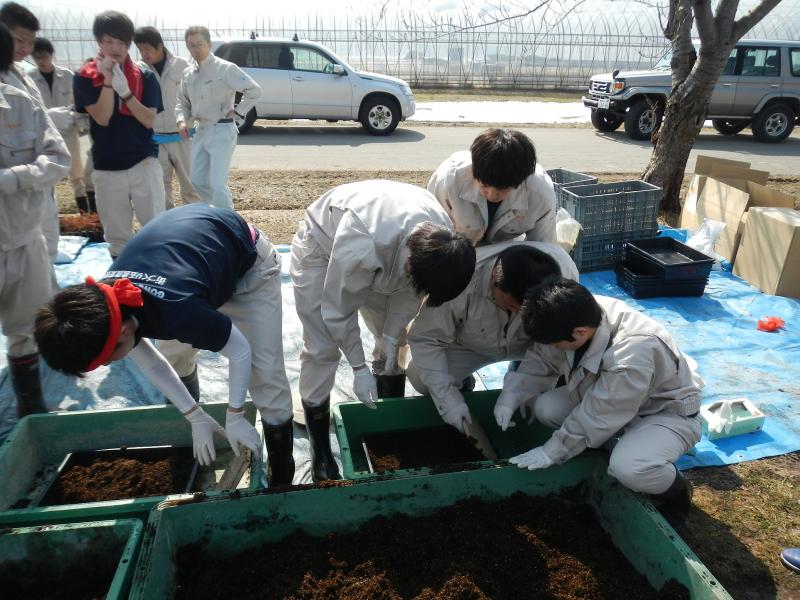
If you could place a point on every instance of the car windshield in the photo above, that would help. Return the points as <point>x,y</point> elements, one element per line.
<point>664,63</point>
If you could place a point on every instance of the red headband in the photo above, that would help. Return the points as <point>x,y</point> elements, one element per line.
<point>124,293</point>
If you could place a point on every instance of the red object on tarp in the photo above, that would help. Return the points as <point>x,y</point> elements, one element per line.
<point>770,324</point>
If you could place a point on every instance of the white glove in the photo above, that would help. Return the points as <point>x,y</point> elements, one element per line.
<point>504,409</point>
<point>8,181</point>
<point>364,386</point>
<point>238,119</point>
<point>389,350</point>
<point>456,415</point>
<point>532,459</point>
<point>119,82</point>
<point>203,429</point>
<point>241,433</point>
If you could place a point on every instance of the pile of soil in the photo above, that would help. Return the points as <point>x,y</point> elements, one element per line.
<point>418,448</point>
<point>105,479</point>
<point>84,225</point>
<point>520,547</point>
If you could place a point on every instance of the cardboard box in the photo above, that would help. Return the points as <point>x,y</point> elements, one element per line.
<point>729,200</point>
<point>704,165</point>
<point>769,253</point>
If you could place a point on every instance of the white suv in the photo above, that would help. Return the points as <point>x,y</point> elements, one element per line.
<point>305,80</point>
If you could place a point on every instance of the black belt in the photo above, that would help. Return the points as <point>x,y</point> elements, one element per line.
<point>225,121</point>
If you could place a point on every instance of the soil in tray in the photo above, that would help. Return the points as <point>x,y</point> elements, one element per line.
<point>99,479</point>
<point>417,448</point>
<point>85,225</point>
<point>520,547</point>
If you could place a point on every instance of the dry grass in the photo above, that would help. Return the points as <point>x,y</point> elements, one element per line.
<point>743,515</point>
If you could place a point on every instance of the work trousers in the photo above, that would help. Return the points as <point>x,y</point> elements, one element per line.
<point>121,194</point>
<point>175,158</point>
<point>212,151</point>
<point>461,362</point>
<point>73,142</point>
<point>255,308</point>
<point>643,458</point>
<point>24,288</point>
<point>320,355</point>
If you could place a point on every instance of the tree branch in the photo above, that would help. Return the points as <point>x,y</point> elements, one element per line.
<point>705,22</point>
<point>724,18</point>
<point>751,19</point>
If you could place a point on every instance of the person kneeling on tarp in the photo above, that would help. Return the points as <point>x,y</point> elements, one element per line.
<point>201,278</point>
<point>625,377</point>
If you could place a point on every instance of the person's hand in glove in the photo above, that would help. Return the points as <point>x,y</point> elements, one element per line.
<point>364,386</point>
<point>241,434</point>
<point>238,119</point>
<point>203,429</point>
<point>456,414</point>
<point>8,181</point>
<point>532,460</point>
<point>120,83</point>
<point>504,409</point>
<point>389,350</point>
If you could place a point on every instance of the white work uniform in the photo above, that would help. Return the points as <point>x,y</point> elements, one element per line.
<point>206,95</point>
<point>174,157</point>
<point>61,108</point>
<point>18,78</point>
<point>31,148</point>
<point>350,254</point>
<point>529,211</point>
<point>632,381</point>
<point>451,341</point>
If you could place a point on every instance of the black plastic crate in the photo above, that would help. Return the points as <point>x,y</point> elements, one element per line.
<point>668,258</point>
<point>638,286</point>
<point>612,207</point>
<point>564,178</point>
<point>603,251</point>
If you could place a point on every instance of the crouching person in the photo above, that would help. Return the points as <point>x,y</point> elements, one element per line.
<point>625,378</point>
<point>204,277</point>
<point>378,248</point>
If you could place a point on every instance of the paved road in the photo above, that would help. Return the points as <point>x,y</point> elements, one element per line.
<point>420,147</point>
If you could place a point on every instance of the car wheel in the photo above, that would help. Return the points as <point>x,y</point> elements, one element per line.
<point>642,120</point>
<point>728,127</point>
<point>606,121</point>
<point>380,115</point>
<point>248,121</point>
<point>774,123</point>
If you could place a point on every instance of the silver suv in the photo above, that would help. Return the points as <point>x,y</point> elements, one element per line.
<point>305,80</point>
<point>759,87</point>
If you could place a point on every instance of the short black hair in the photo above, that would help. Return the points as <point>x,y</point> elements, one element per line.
<point>15,15</point>
<point>6,48</point>
<point>148,35</point>
<point>43,45</point>
<point>502,158</point>
<point>441,262</point>
<point>553,310</point>
<point>72,328</point>
<point>520,267</point>
<point>115,24</point>
<point>197,30</point>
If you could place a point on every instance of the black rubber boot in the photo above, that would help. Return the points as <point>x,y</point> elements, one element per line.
<point>27,385</point>
<point>91,201</point>
<point>83,204</point>
<point>674,503</point>
<point>280,442</point>
<point>192,383</point>
<point>318,424</point>
<point>391,386</point>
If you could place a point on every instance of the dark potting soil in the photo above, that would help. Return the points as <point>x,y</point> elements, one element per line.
<point>105,479</point>
<point>417,448</point>
<point>85,225</point>
<point>520,547</point>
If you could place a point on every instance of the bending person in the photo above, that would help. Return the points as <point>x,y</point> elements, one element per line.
<point>378,247</point>
<point>206,278</point>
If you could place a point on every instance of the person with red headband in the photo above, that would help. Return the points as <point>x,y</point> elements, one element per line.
<point>122,101</point>
<point>202,278</point>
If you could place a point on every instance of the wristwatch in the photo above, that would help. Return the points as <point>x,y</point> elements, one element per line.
<point>126,98</point>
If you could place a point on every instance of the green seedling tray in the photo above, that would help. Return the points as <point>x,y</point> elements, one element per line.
<point>353,420</point>
<point>228,526</point>
<point>59,549</point>
<point>38,444</point>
